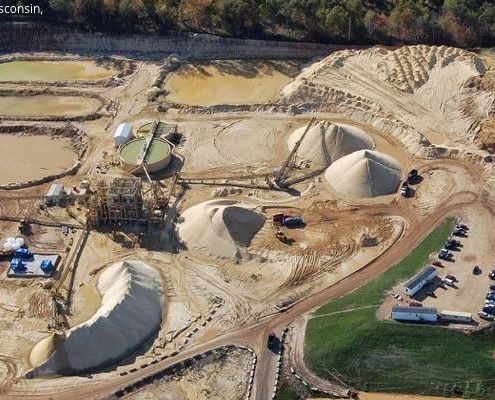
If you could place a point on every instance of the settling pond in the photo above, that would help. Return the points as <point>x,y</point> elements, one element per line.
<point>53,71</point>
<point>229,82</point>
<point>47,105</point>
<point>32,157</point>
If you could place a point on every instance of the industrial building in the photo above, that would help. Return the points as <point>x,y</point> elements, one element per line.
<point>123,134</point>
<point>420,280</point>
<point>456,316</point>
<point>55,194</point>
<point>401,313</point>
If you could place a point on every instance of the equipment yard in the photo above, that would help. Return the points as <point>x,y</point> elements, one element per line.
<point>195,210</point>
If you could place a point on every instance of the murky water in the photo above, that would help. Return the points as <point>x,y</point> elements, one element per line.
<point>229,82</point>
<point>32,157</point>
<point>53,71</point>
<point>30,106</point>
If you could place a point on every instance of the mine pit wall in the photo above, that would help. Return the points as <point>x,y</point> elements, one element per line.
<point>27,37</point>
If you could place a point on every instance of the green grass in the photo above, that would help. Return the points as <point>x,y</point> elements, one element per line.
<point>285,392</point>
<point>389,356</point>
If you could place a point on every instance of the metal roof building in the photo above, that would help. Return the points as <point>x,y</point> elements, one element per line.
<point>420,280</point>
<point>403,313</point>
<point>123,134</point>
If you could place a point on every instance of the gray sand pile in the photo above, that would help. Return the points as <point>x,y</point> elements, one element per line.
<point>221,227</point>
<point>129,314</point>
<point>326,142</point>
<point>364,173</point>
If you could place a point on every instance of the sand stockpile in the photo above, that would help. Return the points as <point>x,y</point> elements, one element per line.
<point>408,91</point>
<point>222,227</point>
<point>326,142</point>
<point>364,173</point>
<point>130,313</point>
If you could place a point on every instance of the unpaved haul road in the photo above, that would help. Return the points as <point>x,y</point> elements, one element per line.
<point>256,334</point>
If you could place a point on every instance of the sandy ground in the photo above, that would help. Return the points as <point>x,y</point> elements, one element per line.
<point>326,251</point>
<point>32,157</point>
<point>53,71</point>
<point>214,378</point>
<point>229,82</point>
<point>31,106</point>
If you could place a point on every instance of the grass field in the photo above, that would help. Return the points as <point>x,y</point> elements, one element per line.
<point>374,355</point>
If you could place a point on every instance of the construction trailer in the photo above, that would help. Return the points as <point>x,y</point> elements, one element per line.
<point>414,285</point>
<point>122,134</point>
<point>456,316</point>
<point>427,314</point>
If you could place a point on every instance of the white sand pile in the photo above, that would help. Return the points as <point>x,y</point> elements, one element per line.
<point>130,313</point>
<point>364,173</point>
<point>414,88</point>
<point>326,142</point>
<point>222,227</point>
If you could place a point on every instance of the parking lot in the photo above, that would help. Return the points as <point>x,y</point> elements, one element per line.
<point>467,288</point>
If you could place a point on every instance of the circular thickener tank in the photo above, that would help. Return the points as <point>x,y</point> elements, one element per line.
<point>157,154</point>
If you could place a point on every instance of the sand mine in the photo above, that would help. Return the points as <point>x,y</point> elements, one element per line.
<point>231,219</point>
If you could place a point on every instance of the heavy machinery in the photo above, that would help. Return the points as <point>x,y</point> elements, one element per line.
<point>282,174</point>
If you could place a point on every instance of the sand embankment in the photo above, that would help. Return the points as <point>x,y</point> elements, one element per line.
<point>129,314</point>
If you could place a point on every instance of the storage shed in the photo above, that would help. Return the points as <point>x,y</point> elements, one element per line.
<point>55,194</point>
<point>123,134</point>
<point>456,316</point>
<point>420,280</point>
<point>401,313</point>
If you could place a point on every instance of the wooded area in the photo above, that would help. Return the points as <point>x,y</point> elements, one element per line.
<point>457,22</point>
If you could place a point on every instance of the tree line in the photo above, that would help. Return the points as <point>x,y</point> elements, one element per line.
<point>463,23</point>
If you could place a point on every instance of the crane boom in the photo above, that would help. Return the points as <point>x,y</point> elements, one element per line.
<point>281,174</point>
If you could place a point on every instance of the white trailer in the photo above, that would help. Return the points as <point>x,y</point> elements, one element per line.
<point>420,280</point>
<point>456,316</point>
<point>401,313</point>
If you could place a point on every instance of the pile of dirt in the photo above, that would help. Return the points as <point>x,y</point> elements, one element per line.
<point>130,312</point>
<point>222,227</point>
<point>326,142</point>
<point>408,91</point>
<point>364,173</point>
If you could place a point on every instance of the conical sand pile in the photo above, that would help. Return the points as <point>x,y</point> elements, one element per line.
<point>326,142</point>
<point>364,173</point>
<point>130,312</point>
<point>222,227</point>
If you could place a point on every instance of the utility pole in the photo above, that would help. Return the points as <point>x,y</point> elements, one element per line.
<point>349,30</point>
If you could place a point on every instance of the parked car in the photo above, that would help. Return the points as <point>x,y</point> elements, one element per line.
<point>451,277</point>
<point>445,254</point>
<point>490,297</point>
<point>459,232</point>
<point>492,275</point>
<point>488,309</point>
<point>476,270</point>
<point>484,315</point>
<point>448,282</point>
<point>404,191</point>
<point>437,264</point>
<point>492,287</point>
<point>462,226</point>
